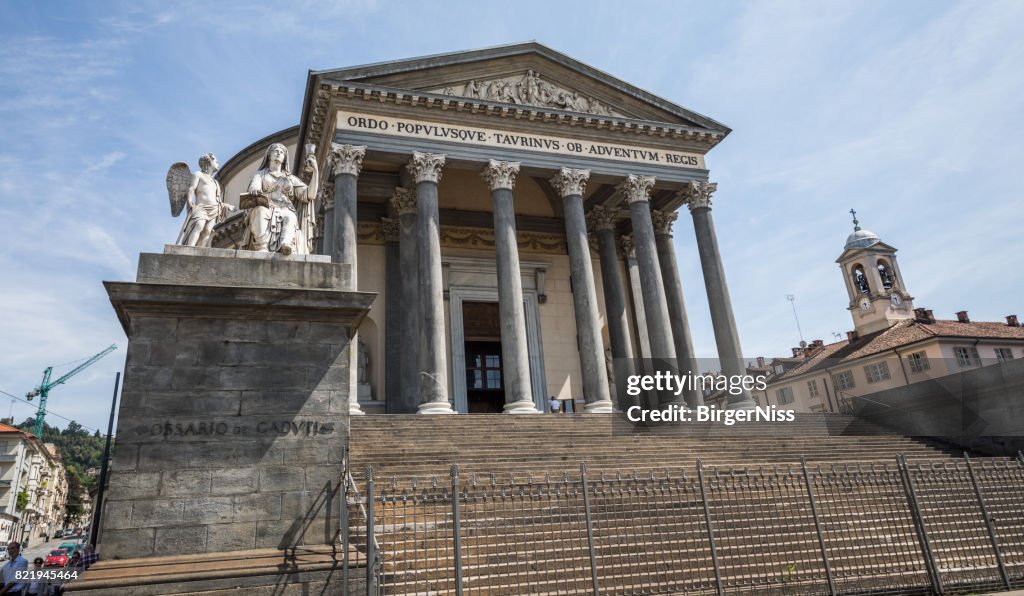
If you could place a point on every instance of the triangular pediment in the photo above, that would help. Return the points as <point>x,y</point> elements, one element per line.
<point>528,74</point>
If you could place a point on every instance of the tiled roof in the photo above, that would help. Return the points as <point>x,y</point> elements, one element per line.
<point>7,428</point>
<point>901,334</point>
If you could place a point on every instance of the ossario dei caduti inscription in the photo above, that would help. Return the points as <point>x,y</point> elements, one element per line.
<point>304,428</point>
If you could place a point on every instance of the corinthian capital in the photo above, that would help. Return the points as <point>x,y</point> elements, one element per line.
<point>601,218</point>
<point>500,174</point>
<point>636,188</point>
<point>569,182</point>
<point>425,167</point>
<point>404,201</point>
<point>663,221</point>
<point>390,229</point>
<point>698,194</point>
<point>347,159</point>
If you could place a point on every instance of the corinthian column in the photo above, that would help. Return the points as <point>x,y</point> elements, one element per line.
<point>347,161</point>
<point>515,357</point>
<point>730,354</point>
<point>425,169</point>
<point>676,306</point>
<point>570,184</point>
<point>637,190</point>
<point>404,204</point>
<point>601,222</point>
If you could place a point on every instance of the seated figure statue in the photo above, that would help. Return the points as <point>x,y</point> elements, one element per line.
<point>280,205</point>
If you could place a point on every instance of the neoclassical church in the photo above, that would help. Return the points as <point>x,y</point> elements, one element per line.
<point>513,210</point>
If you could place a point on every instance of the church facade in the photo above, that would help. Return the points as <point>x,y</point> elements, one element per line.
<point>512,208</point>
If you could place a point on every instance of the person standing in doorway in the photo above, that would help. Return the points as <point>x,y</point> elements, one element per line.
<point>555,405</point>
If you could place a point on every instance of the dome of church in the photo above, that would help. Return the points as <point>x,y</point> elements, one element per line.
<point>861,239</point>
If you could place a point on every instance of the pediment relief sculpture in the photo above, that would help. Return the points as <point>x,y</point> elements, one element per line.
<point>530,90</point>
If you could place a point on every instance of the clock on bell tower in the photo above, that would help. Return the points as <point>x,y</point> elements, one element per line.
<point>878,297</point>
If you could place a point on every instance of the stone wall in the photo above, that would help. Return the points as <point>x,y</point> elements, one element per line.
<point>233,418</point>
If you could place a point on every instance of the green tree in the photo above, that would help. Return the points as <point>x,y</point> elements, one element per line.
<point>22,500</point>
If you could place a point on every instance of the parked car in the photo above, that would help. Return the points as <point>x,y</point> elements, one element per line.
<point>57,558</point>
<point>70,547</point>
<point>58,534</point>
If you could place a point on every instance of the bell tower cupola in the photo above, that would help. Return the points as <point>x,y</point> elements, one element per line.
<point>878,296</point>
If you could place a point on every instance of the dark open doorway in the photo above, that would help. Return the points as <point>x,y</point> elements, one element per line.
<point>485,387</point>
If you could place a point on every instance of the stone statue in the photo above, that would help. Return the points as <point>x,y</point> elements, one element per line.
<point>364,391</point>
<point>281,207</point>
<point>201,194</point>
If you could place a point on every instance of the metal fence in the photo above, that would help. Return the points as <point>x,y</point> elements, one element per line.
<point>926,526</point>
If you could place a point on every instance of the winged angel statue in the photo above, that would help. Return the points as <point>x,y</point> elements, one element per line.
<point>202,195</point>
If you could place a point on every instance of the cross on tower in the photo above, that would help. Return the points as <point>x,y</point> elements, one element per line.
<point>856,224</point>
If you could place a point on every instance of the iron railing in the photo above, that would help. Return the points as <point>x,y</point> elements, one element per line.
<point>919,526</point>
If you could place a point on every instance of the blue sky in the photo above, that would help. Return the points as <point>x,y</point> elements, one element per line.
<point>911,112</point>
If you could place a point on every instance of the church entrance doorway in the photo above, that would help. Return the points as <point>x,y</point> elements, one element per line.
<point>485,388</point>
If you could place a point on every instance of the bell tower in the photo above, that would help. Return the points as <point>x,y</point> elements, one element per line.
<point>878,296</point>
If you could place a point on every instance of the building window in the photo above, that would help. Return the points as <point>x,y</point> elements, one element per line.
<point>967,357</point>
<point>1004,354</point>
<point>812,388</point>
<point>918,362</point>
<point>844,380</point>
<point>784,396</point>
<point>818,408</point>
<point>877,372</point>
<point>779,369</point>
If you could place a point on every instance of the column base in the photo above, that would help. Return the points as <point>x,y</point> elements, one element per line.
<point>436,407</point>
<point>599,407</point>
<point>521,407</point>
<point>354,409</point>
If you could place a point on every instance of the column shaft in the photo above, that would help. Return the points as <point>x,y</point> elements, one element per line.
<point>515,355</point>
<point>394,343</point>
<point>685,357</point>
<point>408,250</point>
<point>727,338</point>
<point>433,373</point>
<point>343,241</point>
<point>404,204</point>
<point>570,184</point>
<point>659,328</point>
<point>614,305</point>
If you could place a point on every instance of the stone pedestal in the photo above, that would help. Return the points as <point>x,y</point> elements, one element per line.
<point>234,413</point>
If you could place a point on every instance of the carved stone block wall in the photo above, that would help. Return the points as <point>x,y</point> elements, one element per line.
<point>234,413</point>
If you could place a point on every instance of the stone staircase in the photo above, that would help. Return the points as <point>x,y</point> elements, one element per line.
<point>523,529</point>
<point>412,445</point>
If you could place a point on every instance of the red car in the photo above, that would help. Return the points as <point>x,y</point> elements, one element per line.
<point>57,558</point>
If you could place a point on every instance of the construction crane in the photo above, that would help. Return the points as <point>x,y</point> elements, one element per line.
<point>43,390</point>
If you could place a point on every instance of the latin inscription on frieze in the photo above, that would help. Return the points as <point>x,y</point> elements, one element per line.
<point>417,129</point>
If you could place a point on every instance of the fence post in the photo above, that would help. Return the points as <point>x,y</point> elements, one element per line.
<point>456,529</point>
<point>817,527</point>
<point>344,522</point>
<point>922,532</point>
<point>590,529</point>
<point>711,530</point>
<point>371,543</point>
<point>990,523</point>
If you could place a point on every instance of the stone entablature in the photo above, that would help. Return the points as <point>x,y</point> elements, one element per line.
<point>369,95</point>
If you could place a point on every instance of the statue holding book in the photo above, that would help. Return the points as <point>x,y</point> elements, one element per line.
<point>280,206</point>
